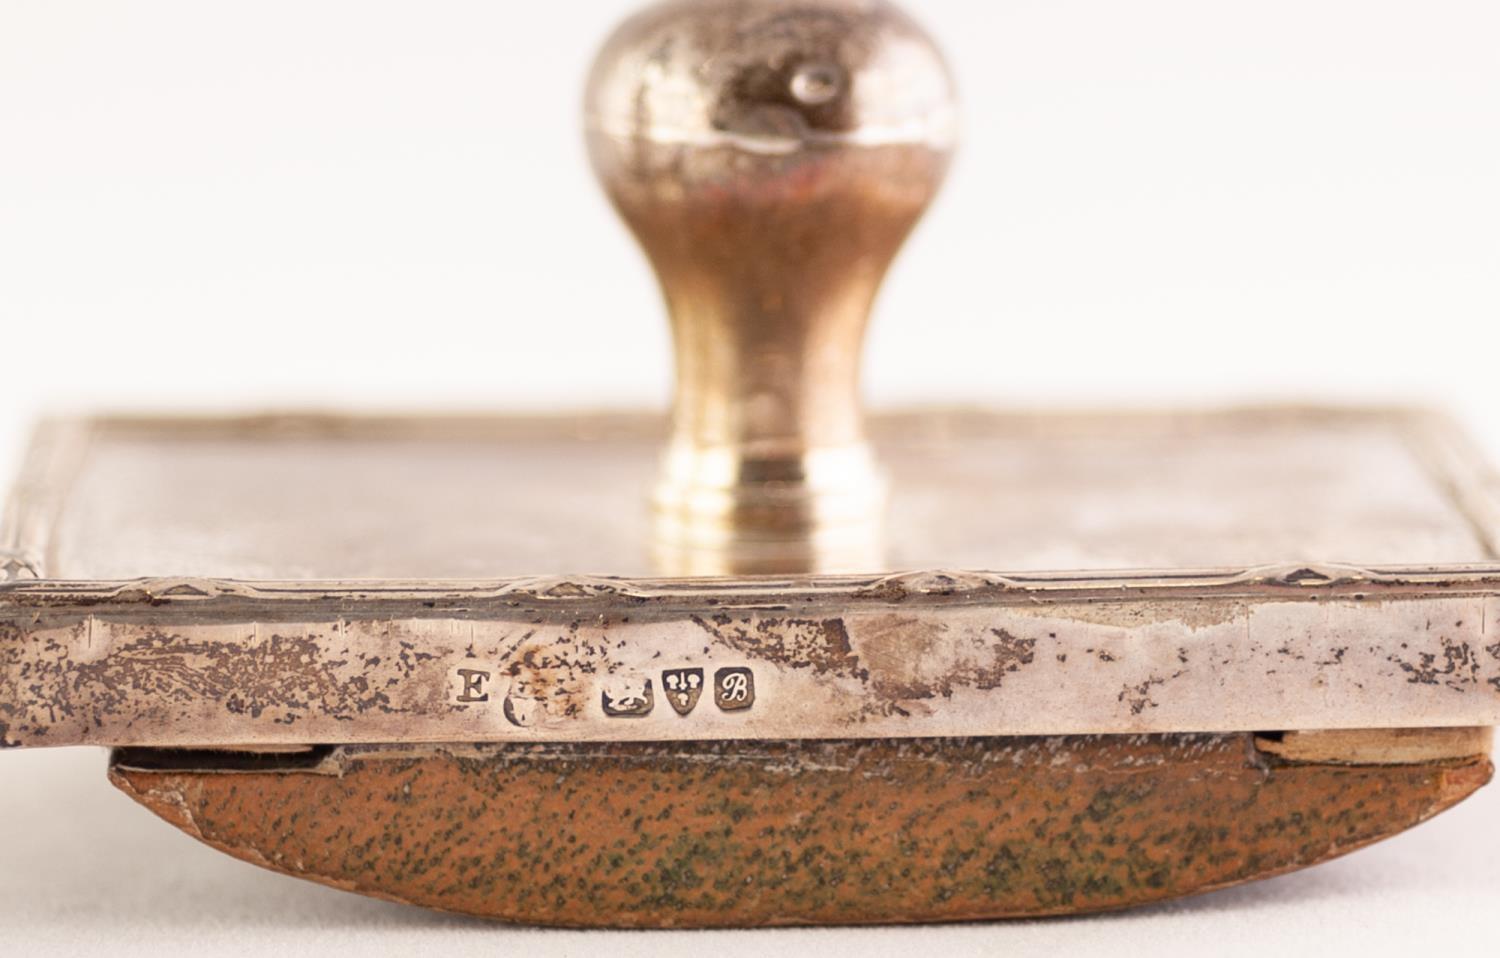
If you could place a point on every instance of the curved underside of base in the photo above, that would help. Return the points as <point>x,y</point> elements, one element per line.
<point>755,833</point>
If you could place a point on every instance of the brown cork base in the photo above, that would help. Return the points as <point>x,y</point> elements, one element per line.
<point>754,833</point>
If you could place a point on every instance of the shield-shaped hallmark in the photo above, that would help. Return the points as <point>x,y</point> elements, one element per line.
<point>683,686</point>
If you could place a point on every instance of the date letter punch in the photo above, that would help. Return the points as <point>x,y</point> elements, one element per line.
<point>770,660</point>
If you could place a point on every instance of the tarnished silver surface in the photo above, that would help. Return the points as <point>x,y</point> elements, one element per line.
<point>307,656</point>
<point>198,662</point>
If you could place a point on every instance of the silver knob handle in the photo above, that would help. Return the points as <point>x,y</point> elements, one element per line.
<point>771,156</point>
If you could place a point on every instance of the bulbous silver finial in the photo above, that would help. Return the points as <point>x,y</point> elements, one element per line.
<point>771,156</point>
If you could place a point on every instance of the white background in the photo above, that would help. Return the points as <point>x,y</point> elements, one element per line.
<point>222,205</point>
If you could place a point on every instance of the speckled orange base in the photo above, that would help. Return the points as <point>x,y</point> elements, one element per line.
<point>746,833</point>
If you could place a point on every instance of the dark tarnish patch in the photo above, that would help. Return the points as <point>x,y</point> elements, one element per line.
<point>900,654</point>
<point>818,644</point>
<point>10,696</point>
<point>1456,668</point>
<point>277,677</point>
<point>1138,696</point>
<point>1011,653</point>
<point>552,673</point>
<point>284,674</point>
